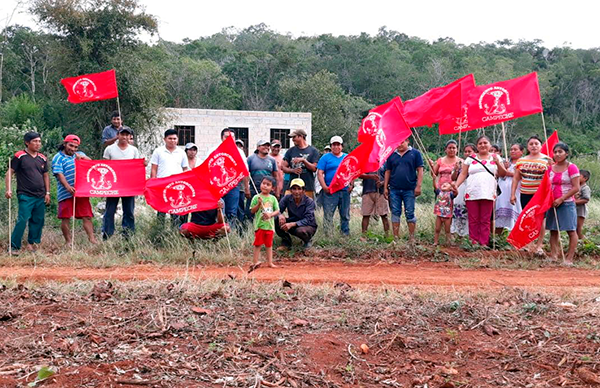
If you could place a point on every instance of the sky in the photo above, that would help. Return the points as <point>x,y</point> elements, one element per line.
<point>572,23</point>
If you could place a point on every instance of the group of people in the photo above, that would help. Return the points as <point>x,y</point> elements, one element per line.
<point>475,196</point>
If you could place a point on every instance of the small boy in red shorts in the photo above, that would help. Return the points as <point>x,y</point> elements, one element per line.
<point>265,208</point>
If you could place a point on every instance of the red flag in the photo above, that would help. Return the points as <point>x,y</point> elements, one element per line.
<point>495,103</point>
<point>109,178</point>
<point>180,193</point>
<point>548,146</point>
<point>352,166</point>
<point>437,104</point>
<point>224,168</point>
<point>91,87</point>
<point>387,127</point>
<point>529,224</point>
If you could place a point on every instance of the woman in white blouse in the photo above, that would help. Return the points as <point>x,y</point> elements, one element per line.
<point>482,169</point>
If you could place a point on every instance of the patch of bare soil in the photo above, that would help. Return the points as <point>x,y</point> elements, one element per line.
<point>234,333</point>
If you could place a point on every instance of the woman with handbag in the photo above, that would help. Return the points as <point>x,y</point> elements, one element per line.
<point>481,169</point>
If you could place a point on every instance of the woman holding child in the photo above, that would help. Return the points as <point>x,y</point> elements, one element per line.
<point>444,174</point>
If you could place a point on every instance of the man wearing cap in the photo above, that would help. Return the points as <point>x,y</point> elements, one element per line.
<point>169,160</point>
<point>276,154</point>
<point>121,150</point>
<point>301,216</point>
<point>63,168</point>
<point>326,169</point>
<point>33,191</point>
<point>300,161</point>
<point>111,132</point>
<point>191,151</point>
<point>326,149</point>
<point>260,165</point>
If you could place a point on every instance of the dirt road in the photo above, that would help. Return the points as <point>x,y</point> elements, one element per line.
<point>422,274</point>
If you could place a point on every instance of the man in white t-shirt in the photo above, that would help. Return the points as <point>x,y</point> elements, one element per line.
<point>120,150</point>
<point>168,160</point>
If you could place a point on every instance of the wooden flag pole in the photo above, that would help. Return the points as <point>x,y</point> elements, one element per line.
<point>9,190</point>
<point>226,233</point>
<point>562,252</point>
<point>119,109</point>
<point>422,147</point>
<point>504,140</point>
<point>73,227</point>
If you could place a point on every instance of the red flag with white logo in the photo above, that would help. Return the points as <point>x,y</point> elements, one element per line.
<point>548,146</point>
<point>352,166</point>
<point>109,178</point>
<point>437,104</point>
<point>529,224</point>
<point>180,194</point>
<point>495,103</point>
<point>386,126</point>
<point>224,168</point>
<point>91,87</point>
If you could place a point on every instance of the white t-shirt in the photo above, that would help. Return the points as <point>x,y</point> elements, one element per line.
<point>114,152</point>
<point>169,163</point>
<point>481,184</point>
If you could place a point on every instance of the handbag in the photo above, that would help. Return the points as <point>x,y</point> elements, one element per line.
<point>498,189</point>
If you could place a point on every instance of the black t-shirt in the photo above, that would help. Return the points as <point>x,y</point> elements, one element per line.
<point>309,153</point>
<point>205,218</point>
<point>30,173</point>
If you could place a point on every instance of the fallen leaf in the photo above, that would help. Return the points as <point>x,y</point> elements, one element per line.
<point>299,322</point>
<point>364,348</point>
<point>287,284</point>
<point>448,371</point>
<point>567,305</point>
<point>448,384</point>
<point>587,376</point>
<point>490,330</point>
<point>201,311</point>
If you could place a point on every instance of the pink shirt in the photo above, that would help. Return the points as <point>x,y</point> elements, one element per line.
<point>561,181</point>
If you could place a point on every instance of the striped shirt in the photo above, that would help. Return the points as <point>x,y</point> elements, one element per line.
<point>64,164</point>
<point>532,171</point>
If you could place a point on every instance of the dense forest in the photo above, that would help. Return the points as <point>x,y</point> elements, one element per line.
<point>337,78</point>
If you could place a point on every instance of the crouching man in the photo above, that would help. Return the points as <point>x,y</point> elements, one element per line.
<point>207,224</point>
<point>301,216</point>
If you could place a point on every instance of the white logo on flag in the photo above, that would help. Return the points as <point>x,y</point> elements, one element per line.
<point>178,194</point>
<point>84,88</point>
<point>220,169</point>
<point>97,175</point>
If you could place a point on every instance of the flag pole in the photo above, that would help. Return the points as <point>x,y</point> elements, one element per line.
<point>9,190</point>
<point>421,146</point>
<point>119,108</point>
<point>562,252</point>
<point>504,140</point>
<point>226,233</point>
<point>73,223</point>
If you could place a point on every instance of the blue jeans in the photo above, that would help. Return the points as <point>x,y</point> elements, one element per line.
<point>108,221</point>
<point>231,200</point>
<point>397,197</point>
<point>340,200</point>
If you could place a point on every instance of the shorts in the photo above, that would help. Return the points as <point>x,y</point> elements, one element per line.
<point>567,217</point>
<point>263,237</point>
<point>202,231</point>
<point>374,204</point>
<point>83,208</point>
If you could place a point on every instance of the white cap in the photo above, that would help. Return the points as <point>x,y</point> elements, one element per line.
<point>336,139</point>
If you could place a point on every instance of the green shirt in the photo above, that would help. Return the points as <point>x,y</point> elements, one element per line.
<point>270,205</point>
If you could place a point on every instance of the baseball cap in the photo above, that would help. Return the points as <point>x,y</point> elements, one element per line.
<point>126,129</point>
<point>327,147</point>
<point>189,146</point>
<point>300,132</point>
<point>262,142</point>
<point>275,142</point>
<point>240,142</point>
<point>72,139</point>
<point>336,139</point>
<point>297,182</point>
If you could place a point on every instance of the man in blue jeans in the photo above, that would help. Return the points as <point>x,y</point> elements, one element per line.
<point>402,184</point>
<point>326,169</point>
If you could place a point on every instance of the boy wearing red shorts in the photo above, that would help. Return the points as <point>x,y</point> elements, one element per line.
<point>265,208</point>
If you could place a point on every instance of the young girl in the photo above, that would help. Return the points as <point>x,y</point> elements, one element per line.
<point>564,177</point>
<point>265,207</point>
<point>443,211</point>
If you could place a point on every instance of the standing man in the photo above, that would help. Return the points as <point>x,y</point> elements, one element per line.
<point>191,151</point>
<point>373,200</point>
<point>33,191</point>
<point>300,161</point>
<point>63,168</point>
<point>260,165</point>
<point>402,184</point>
<point>276,154</point>
<point>231,199</point>
<point>326,169</point>
<point>301,216</point>
<point>121,150</point>
<point>110,134</point>
<point>168,160</point>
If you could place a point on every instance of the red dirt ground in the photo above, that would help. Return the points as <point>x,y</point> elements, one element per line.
<point>421,274</point>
